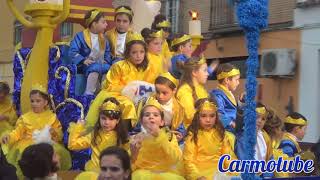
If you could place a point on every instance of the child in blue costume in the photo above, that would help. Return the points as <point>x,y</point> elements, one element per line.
<point>228,77</point>
<point>295,126</point>
<point>90,50</point>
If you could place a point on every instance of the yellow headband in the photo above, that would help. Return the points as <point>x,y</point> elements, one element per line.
<point>163,24</point>
<point>208,106</point>
<point>261,110</point>
<point>94,14</point>
<point>134,37</point>
<point>40,88</point>
<point>110,106</point>
<point>223,75</point>
<point>170,78</point>
<point>124,10</point>
<point>184,38</point>
<point>158,34</point>
<point>299,121</point>
<point>153,102</point>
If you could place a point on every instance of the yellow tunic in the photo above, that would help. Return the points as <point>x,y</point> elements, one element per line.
<point>119,75</point>
<point>21,136</point>
<point>277,153</point>
<point>202,159</point>
<point>158,62</point>
<point>78,141</point>
<point>166,53</point>
<point>157,158</point>
<point>112,38</point>
<point>184,96</point>
<point>7,109</point>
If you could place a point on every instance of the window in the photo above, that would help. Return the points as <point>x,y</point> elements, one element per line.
<point>66,30</point>
<point>172,13</point>
<point>222,15</point>
<point>17,32</point>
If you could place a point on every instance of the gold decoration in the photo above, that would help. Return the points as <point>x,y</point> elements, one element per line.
<point>110,106</point>
<point>134,37</point>
<point>77,103</point>
<point>153,102</point>
<point>261,110</point>
<point>124,10</point>
<point>299,121</point>
<point>170,77</point>
<point>94,14</point>
<point>182,39</point>
<point>208,106</point>
<point>40,88</point>
<point>224,75</point>
<point>158,34</point>
<point>163,24</point>
<point>67,85</point>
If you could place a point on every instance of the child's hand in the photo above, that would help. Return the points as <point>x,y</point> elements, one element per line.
<point>5,139</point>
<point>81,121</point>
<point>152,129</point>
<point>135,145</point>
<point>214,64</point>
<point>233,124</point>
<point>178,135</point>
<point>4,118</point>
<point>242,97</point>
<point>87,62</point>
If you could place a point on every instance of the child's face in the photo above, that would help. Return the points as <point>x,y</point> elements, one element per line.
<point>152,115</point>
<point>100,26</point>
<point>233,82</point>
<point>186,49</point>
<point>201,74</point>
<point>38,103</point>
<point>207,119</point>
<point>122,23</point>
<point>164,93</point>
<point>107,123</point>
<point>111,168</point>
<point>155,46</point>
<point>260,121</point>
<point>3,96</point>
<point>137,54</point>
<point>300,132</point>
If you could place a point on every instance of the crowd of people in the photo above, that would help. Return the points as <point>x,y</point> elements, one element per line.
<point>178,132</point>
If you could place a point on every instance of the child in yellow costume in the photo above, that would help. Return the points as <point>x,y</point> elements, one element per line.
<point>161,23</point>
<point>154,40</point>
<point>117,35</point>
<point>206,142</point>
<point>191,86</point>
<point>27,126</point>
<point>154,151</point>
<point>8,114</point>
<point>108,131</point>
<point>135,67</point>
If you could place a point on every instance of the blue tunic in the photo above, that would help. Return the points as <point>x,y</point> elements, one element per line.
<point>80,51</point>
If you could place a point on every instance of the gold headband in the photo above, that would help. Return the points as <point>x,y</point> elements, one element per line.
<point>299,121</point>
<point>223,75</point>
<point>124,10</point>
<point>170,78</point>
<point>94,14</point>
<point>158,34</point>
<point>40,88</point>
<point>134,37</point>
<point>110,106</point>
<point>196,63</point>
<point>261,110</point>
<point>184,38</point>
<point>153,102</point>
<point>163,24</point>
<point>208,106</point>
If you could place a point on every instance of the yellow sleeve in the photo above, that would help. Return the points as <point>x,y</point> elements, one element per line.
<point>76,141</point>
<point>12,116</point>
<point>187,102</point>
<point>170,148</point>
<point>112,82</point>
<point>56,132</point>
<point>18,132</point>
<point>188,157</point>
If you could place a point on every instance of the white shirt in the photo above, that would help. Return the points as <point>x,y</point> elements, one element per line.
<point>261,147</point>
<point>168,114</point>
<point>95,51</point>
<point>121,41</point>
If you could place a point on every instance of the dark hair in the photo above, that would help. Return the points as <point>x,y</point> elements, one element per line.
<point>127,50</point>
<point>122,134</point>
<point>128,8</point>
<point>121,154</point>
<point>44,96</point>
<point>164,81</point>
<point>145,32</point>
<point>195,124</point>
<point>175,48</point>
<point>96,19</point>
<point>4,88</point>
<point>225,67</point>
<point>289,127</point>
<point>36,161</point>
<point>187,68</point>
<point>273,122</point>
<point>158,19</point>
